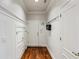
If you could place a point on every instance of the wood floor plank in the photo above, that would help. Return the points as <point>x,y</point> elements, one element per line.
<point>36,53</point>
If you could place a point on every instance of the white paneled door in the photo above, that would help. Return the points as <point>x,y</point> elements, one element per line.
<point>37,33</point>
<point>7,37</point>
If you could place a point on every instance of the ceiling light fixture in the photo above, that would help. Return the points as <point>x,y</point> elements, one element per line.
<point>36,0</point>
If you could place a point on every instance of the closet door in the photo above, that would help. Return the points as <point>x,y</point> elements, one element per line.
<point>42,33</point>
<point>33,33</point>
<point>7,37</point>
<point>20,39</point>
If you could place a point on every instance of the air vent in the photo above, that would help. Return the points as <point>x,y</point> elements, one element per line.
<point>45,1</point>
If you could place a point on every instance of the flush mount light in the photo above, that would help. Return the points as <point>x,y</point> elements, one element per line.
<point>36,0</point>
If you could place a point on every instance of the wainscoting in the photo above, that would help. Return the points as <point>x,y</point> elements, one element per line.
<point>67,54</point>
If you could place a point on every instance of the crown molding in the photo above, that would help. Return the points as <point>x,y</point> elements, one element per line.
<point>4,10</point>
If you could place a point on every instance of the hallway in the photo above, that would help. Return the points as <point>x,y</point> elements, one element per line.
<point>36,53</point>
<point>39,29</point>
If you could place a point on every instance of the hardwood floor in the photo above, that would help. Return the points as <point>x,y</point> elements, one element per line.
<point>36,53</point>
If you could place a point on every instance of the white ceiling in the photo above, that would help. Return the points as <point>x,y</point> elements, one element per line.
<point>31,5</point>
<point>40,6</point>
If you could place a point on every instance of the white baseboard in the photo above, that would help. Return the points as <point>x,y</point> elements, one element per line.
<point>20,49</point>
<point>50,52</point>
<point>23,50</point>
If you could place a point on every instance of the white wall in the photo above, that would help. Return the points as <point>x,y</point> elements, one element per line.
<point>14,9</point>
<point>65,27</point>
<point>37,34</point>
<point>70,27</point>
<point>7,37</point>
<point>54,42</point>
<point>12,32</point>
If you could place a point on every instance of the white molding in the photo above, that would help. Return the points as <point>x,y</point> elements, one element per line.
<point>65,56</point>
<point>69,52</point>
<point>51,53</point>
<point>8,13</point>
<point>63,5</point>
<point>22,49</point>
<point>68,6</point>
<point>36,12</point>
